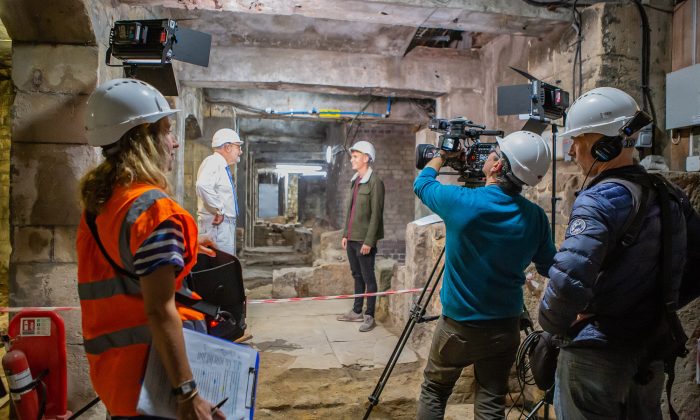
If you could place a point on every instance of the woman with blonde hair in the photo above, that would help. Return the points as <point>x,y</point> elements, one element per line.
<point>135,245</point>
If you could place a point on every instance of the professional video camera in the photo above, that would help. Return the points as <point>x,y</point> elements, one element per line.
<point>457,135</point>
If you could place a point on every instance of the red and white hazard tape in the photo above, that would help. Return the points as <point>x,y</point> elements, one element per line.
<point>253,301</point>
<point>39,308</point>
<point>303,299</point>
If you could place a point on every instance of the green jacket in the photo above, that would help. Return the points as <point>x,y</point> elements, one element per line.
<point>368,220</point>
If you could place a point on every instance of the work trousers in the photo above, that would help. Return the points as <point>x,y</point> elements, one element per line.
<point>362,268</point>
<point>223,234</point>
<point>489,345</point>
<point>598,384</point>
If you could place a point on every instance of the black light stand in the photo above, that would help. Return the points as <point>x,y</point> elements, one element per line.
<point>554,179</point>
<point>417,317</point>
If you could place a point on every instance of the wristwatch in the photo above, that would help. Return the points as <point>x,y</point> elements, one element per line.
<point>185,388</point>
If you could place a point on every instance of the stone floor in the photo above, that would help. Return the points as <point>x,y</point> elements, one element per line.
<point>310,332</point>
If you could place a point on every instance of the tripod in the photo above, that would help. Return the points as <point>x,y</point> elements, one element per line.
<point>417,316</point>
<point>546,401</point>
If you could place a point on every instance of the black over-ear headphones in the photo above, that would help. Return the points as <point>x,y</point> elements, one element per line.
<point>608,148</point>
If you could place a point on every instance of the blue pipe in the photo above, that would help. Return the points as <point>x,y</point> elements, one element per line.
<point>315,111</point>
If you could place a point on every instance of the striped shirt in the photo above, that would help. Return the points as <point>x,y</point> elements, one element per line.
<point>165,246</point>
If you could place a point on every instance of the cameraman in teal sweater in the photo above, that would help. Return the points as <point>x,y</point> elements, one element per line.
<point>493,234</point>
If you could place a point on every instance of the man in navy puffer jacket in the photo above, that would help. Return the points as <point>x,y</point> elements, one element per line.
<point>604,298</point>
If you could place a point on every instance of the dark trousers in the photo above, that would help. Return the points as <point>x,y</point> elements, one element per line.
<point>598,384</point>
<point>362,267</point>
<point>489,345</point>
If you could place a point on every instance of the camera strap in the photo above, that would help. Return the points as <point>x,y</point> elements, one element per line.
<point>181,298</point>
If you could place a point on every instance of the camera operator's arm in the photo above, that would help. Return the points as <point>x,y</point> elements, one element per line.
<point>437,162</point>
<point>443,200</point>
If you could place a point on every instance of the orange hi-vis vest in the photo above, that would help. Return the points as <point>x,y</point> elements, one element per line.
<point>115,327</point>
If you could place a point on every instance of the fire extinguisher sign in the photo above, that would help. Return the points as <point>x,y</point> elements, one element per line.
<point>35,327</point>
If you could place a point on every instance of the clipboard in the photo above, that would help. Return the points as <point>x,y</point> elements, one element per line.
<point>220,368</point>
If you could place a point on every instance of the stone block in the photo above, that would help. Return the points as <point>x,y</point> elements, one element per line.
<point>331,248</point>
<point>323,280</point>
<point>302,240</point>
<point>49,118</point>
<point>80,390</point>
<point>32,244</point>
<point>57,21</point>
<point>64,244</point>
<point>384,269</point>
<point>57,68</point>
<point>45,182</point>
<point>43,284</point>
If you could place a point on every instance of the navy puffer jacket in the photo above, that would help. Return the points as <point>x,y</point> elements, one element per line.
<point>624,297</point>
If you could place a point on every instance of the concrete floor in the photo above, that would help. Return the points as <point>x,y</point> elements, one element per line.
<point>310,332</point>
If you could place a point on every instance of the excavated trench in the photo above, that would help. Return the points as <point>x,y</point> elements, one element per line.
<point>314,367</point>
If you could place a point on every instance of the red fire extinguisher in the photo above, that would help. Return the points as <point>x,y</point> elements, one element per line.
<point>23,388</point>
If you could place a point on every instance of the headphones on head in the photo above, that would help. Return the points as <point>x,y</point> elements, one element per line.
<point>608,148</point>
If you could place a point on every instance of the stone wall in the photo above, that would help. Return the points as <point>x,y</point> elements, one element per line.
<point>7,96</point>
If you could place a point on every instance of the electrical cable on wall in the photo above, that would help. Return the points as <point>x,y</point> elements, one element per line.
<point>577,24</point>
<point>347,131</point>
<point>644,68</point>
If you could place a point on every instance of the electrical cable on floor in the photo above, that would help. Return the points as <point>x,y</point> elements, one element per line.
<point>523,371</point>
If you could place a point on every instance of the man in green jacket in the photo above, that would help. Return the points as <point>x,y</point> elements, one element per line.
<point>364,226</point>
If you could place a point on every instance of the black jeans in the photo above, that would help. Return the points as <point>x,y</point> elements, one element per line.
<point>362,267</point>
<point>489,345</point>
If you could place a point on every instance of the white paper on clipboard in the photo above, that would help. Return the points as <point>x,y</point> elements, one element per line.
<point>221,369</point>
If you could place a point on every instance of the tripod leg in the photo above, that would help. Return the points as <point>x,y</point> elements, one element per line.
<point>417,313</point>
<point>546,401</point>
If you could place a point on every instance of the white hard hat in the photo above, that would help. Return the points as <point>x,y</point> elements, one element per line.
<point>225,135</point>
<point>602,110</point>
<point>119,105</point>
<point>364,147</point>
<point>528,154</point>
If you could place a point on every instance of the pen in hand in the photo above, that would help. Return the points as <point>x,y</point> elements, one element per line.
<point>219,405</point>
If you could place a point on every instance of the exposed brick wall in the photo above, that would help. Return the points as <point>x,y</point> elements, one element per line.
<point>393,248</point>
<point>312,198</point>
<point>395,165</point>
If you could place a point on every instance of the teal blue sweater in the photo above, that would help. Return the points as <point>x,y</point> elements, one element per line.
<point>491,239</point>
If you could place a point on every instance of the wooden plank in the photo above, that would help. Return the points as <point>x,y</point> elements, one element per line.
<point>678,149</point>
<point>681,55</point>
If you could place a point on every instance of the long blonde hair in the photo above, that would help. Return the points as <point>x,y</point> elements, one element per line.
<point>138,156</point>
